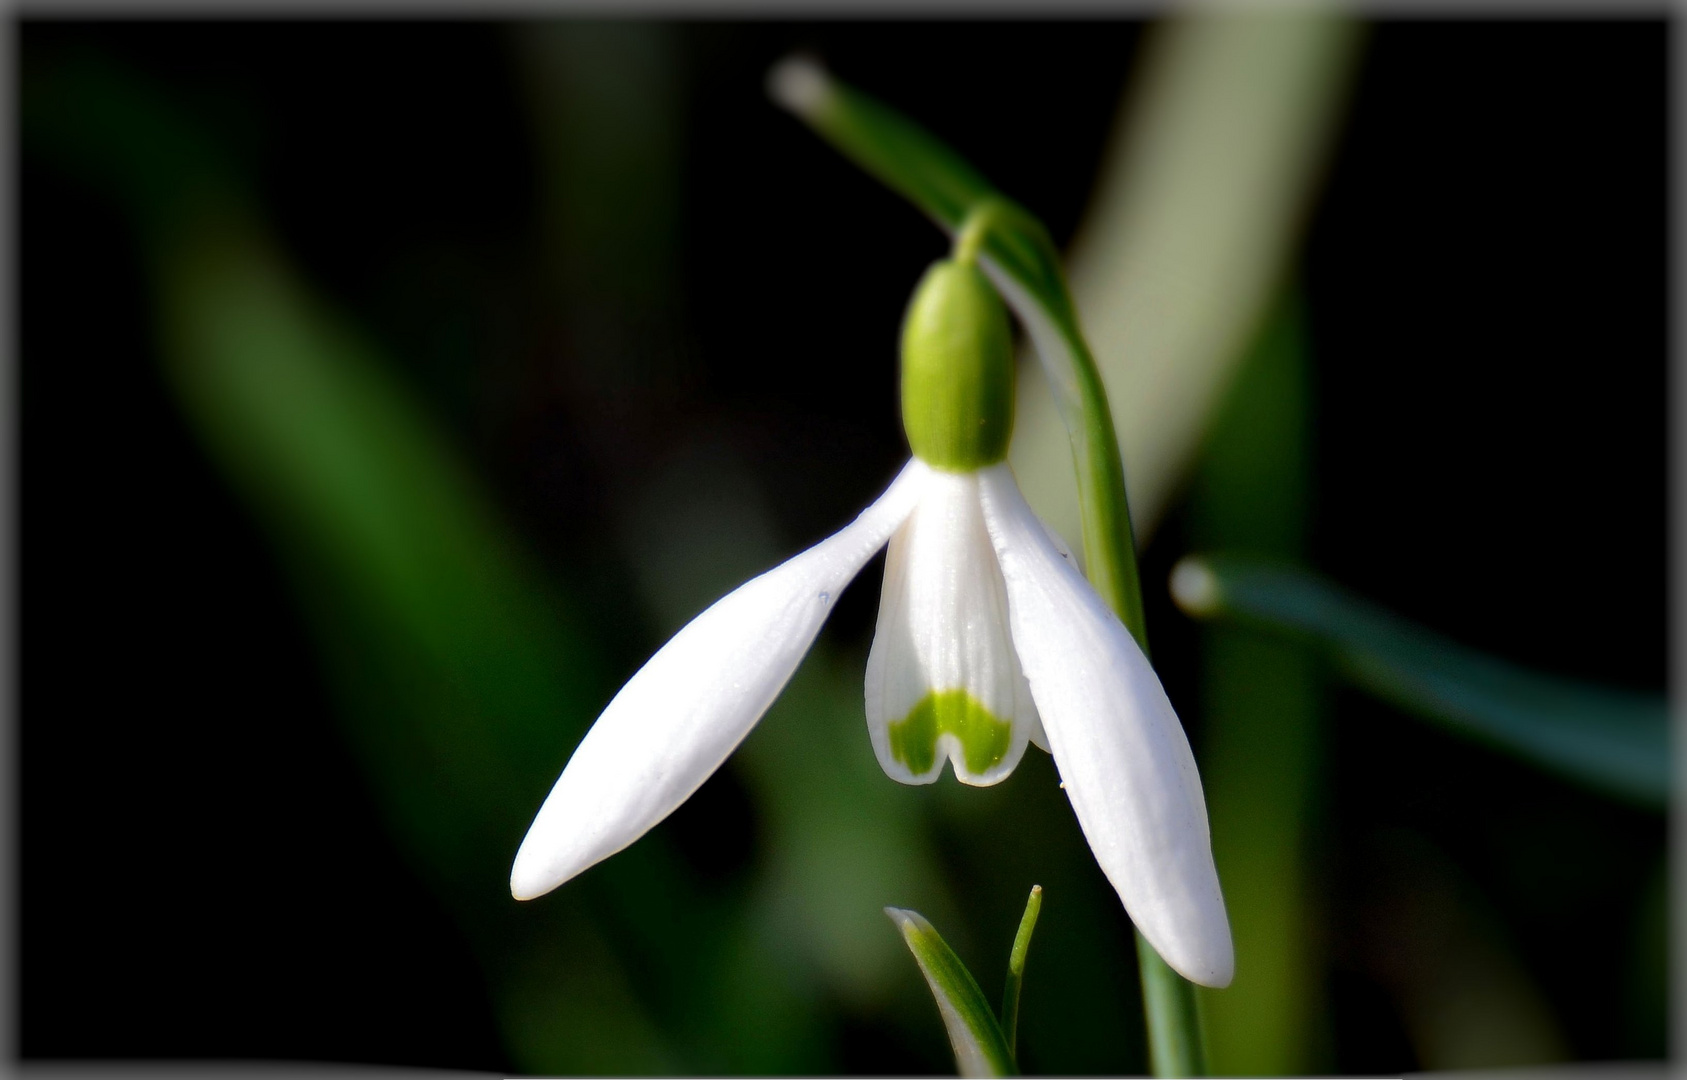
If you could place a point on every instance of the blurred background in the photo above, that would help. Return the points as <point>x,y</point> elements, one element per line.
<point>389,392</point>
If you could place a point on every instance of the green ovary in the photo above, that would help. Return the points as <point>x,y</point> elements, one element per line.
<point>957,370</point>
<point>983,736</point>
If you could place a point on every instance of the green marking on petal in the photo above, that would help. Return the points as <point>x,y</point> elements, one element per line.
<point>984,737</point>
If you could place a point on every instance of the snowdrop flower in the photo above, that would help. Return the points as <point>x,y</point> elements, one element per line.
<point>988,638</point>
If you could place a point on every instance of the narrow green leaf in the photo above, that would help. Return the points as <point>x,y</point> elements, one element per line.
<point>1262,700</point>
<point>980,1048</point>
<point>1611,740</point>
<point>1016,967</point>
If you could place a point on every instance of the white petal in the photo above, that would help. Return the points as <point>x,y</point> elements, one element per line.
<point>1120,749</point>
<point>690,706</point>
<point>1034,730</point>
<point>943,630</point>
<point>1039,738</point>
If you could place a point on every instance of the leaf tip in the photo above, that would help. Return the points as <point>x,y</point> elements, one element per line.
<point>801,84</point>
<point>914,927</point>
<point>1195,587</point>
<point>902,917</point>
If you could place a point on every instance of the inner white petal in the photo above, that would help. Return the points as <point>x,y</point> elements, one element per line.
<point>943,681</point>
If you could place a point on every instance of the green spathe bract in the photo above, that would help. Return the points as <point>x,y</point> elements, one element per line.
<point>957,370</point>
<point>984,737</point>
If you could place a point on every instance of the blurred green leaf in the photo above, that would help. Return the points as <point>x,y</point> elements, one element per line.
<point>87,116</point>
<point>980,1048</point>
<point>1611,740</point>
<point>463,676</point>
<point>1177,1037</point>
<point>1261,731</point>
<point>346,471</point>
<point>462,680</point>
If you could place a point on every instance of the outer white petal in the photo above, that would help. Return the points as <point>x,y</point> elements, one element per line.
<point>1121,751</point>
<point>690,706</point>
<point>943,625</point>
<point>1039,738</point>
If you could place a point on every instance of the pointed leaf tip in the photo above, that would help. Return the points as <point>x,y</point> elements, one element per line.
<point>1195,587</point>
<point>1016,967</point>
<point>974,1035</point>
<point>799,83</point>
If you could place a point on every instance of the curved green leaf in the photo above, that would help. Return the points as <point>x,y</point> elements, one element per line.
<point>980,1048</point>
<point>1612,740</point>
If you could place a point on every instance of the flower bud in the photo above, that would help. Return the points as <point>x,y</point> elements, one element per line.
<point>957,370</point>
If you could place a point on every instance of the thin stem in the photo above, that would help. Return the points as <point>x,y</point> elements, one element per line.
<point>1175,1045</point>
<point>1016,968</point>
<point>976,229</point>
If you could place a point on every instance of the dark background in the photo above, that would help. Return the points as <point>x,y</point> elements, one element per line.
<point>202,872</point>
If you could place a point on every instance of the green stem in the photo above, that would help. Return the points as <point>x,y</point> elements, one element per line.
<point>1016,968</point>
<point>1175,1045</point>
<point>975,229</point>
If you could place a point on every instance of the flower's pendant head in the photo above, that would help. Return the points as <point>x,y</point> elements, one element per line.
<point>943,680</point>
<point>988,639</point>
